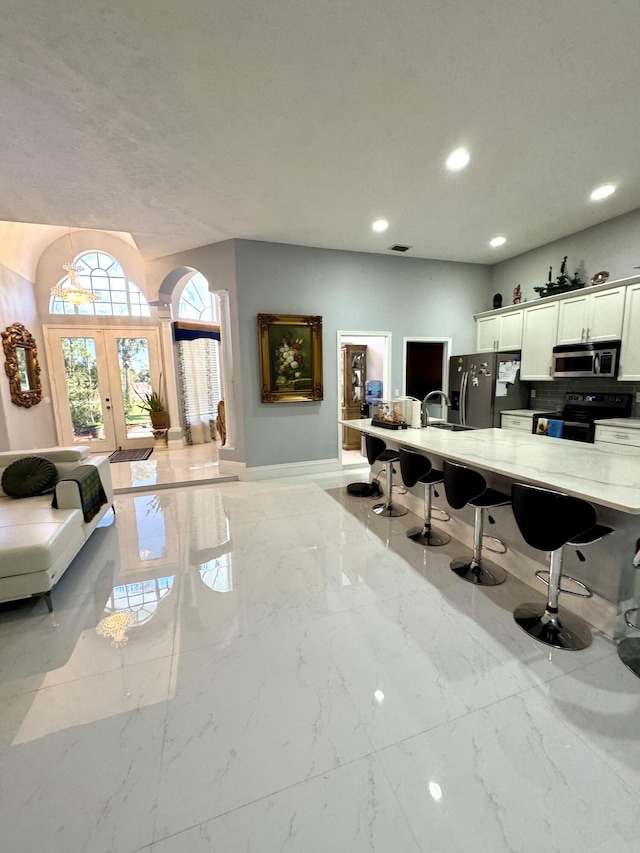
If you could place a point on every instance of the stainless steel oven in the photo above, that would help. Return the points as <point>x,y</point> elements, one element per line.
<point>586,360</point>
<point>579,413</point>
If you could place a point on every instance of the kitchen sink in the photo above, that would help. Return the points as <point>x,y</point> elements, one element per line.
<point>450,427</point>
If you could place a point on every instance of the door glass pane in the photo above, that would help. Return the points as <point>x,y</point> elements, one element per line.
<point>82,383</point>
<point>135,382</point>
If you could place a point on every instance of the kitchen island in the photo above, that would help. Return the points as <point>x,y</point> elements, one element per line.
<point>606,475</point>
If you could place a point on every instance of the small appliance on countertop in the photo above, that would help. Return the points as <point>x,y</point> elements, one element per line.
<point>410,408</point>
<point>390,415</point>
<point>579,414</point>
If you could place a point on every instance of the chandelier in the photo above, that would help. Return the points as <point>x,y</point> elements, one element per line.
<point>116,626</point>
<point>70,288</point>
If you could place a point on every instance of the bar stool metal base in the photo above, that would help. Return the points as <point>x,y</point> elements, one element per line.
<point>484,573</point>
<point>427,536</point>
<point>560,631</point>
<point>629,653</point>
<point>389,510</point>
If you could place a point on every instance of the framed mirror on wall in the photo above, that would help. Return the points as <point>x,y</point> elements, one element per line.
<point>22,366</point>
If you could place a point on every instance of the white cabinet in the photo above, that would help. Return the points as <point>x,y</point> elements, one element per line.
<point>629,369</point>
<point>591,316</point>
<point>616,434</point>
<point>511,330</point>
<point>499,331</point>
<point>487,333</point>
<point>538,340</point>
<point>523,423</point>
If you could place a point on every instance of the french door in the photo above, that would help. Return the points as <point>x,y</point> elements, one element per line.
<point>98,377</point>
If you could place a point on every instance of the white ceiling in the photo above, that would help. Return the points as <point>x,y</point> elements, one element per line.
<point>186,123</point>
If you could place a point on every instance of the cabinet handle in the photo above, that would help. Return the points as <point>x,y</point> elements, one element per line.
<point>582,335</point>
<point>588,333</point>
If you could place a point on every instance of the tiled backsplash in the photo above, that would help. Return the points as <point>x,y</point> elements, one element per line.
<point>550,395</point>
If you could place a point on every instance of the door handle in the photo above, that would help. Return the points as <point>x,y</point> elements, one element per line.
<point>463,402</point>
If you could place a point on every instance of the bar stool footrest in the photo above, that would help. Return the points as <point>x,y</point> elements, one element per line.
<point>500,550</point>
<point>440,514</point>
<point>628,620</point>
<point>543,575</point>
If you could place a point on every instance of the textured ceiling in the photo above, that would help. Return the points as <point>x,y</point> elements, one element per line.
<point>189,123</point>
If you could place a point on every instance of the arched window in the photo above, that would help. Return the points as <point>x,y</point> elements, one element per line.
<point>196,302</point>
<point>200,386</point>
<point>101,274</point>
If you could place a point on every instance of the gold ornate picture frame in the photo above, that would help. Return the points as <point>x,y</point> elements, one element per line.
<point>22,366</point>
<point>290,358</point>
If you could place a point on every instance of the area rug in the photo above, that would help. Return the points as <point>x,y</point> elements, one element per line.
<point>131,455</point>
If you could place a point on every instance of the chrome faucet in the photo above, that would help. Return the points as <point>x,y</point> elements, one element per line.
<point>425,411</point>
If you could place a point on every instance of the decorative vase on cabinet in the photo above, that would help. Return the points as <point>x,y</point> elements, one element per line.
<point>354,375</point>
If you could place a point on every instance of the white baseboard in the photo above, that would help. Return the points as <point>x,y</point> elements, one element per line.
<point>273,472</point>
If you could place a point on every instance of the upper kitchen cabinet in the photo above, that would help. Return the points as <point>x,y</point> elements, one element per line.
<point>629,368</point>
<point>591,316</point>
<point>499,331</point>
<point>539,331</point>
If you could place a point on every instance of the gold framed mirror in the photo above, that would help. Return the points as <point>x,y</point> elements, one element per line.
<point>21,365</point>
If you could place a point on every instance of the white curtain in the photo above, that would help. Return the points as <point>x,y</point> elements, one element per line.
<point>200,388</point>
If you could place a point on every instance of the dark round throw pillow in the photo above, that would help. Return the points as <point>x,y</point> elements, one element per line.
<point>29,476</point>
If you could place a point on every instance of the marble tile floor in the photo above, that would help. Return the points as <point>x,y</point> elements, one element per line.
<point>170,467</point>
<point>268,667</point>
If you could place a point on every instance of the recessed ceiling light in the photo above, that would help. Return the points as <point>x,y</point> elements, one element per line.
<point>458,159</point>
<point>380,225</point>
<point>497,241</point>
<point>603,192</point>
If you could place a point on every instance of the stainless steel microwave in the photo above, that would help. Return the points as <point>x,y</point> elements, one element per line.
<point>583,360</point>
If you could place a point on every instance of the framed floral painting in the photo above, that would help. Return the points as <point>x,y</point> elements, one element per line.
<point>290,358</point>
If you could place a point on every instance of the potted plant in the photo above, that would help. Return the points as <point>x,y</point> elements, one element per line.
<point>153,403</point>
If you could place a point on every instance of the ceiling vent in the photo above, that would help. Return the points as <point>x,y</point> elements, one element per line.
<point>398,247</point>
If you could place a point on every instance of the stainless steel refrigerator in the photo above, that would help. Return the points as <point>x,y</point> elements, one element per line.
<point>482,385</point>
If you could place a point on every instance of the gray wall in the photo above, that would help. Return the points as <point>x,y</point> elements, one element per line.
<point>613,246</point>
<point>20,428</point>
<point>406,296</point>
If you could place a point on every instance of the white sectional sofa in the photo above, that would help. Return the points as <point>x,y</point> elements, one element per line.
<point>38,542</point>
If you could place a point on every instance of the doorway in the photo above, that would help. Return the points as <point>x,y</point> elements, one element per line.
<point>98,377</point>
<point>425,366</point>
<point>377,366</point>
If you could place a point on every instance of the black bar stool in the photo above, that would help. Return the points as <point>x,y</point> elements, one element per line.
<point>629,647</point>
<point>377,452</point>
<point>465,486</point>
<point>548,521</point>
<point>416,468</point>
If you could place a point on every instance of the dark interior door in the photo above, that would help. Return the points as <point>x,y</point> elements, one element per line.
<point>424,368</point>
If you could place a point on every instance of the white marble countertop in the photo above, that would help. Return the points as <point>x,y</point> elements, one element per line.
<point>605,474</point>
<point>629,423</point>
<point>527,413</point>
